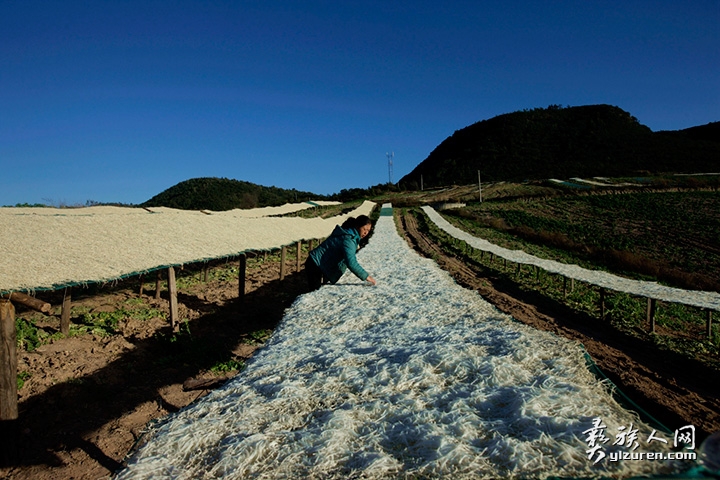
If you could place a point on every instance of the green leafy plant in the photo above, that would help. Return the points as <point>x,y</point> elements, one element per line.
<point>21,378</point>
<point>227,366</point>
<point>29,336</point>
<point>107,323</point>
<point>258,337</point>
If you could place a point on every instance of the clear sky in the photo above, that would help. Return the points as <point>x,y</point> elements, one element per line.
<point>115,101</point>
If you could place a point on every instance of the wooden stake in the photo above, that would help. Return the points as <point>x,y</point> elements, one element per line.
<point>172,288</point>
<point>299,256</point>
<point>8,362</point>
<point>141,285</point>
<point>8,384</point>
<point>205,272</point>
<point>157,286</point>
<point>709,324</point>
<point>241,276</point>
<point>602,303</point>
<point>283,254</point>
<point>651,314</point>
<point>65,313</point>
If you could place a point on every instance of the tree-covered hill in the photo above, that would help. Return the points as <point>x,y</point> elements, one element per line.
<point>594,140</point>
<point>709,132</point>
<point>225,194</point>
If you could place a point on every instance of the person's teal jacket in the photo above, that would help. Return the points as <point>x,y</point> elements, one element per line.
<point>337,253</point>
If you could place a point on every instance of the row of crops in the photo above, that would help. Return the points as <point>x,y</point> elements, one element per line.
<point>673,231</point>
<point>680,327</point>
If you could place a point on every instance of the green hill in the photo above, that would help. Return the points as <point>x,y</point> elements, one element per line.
<point>225,194</point>
<point>586,141</point>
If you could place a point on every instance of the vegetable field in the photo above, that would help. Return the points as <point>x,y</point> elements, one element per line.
<point>672,236</point>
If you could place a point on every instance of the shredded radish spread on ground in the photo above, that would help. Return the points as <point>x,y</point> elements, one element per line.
<point>414,378</point>
<point>45,250</point>
<point>702,299</point>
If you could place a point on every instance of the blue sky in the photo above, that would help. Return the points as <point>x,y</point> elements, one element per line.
<point>115,101</point>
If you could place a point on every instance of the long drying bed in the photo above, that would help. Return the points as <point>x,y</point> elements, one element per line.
<point>414,378</point>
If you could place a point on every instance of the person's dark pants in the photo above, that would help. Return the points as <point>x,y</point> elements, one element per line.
<point>314,274</point>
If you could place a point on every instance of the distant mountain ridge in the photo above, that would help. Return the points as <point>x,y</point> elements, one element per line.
<point>219,194</point>
<point>585,141</point>
<point>709,132</point>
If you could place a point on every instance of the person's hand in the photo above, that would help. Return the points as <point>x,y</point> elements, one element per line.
<point>371,280</point>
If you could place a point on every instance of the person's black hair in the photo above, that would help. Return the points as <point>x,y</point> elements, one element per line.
<point>357,222</point>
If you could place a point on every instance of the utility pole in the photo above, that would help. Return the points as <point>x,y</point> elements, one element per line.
<point>479,187</point>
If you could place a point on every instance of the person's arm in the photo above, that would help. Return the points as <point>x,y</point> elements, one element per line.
<point>350,247</point>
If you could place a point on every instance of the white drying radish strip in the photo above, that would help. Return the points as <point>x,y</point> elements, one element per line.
<point>417,377</point>
<point>702,299</point>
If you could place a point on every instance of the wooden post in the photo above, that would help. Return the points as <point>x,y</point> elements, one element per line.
<point>241,276</point>
<point>299,256</point>
<point>28,301</point>
<point>157,286</point>
<point>602,303</point>
<point>311,244</point>
<point>709,324</point>
<point>8,384</point>
<point>65,313</point>
<point>651,314</point>
<point>172,289</point>
<point>8,362</point>
<point>283,254</point>
<point>518,270</point>
<point>205,272</point>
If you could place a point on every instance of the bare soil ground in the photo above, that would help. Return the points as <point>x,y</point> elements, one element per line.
<point>89,398</point>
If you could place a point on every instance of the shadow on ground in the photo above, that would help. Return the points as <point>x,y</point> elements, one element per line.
<point>67,415</point>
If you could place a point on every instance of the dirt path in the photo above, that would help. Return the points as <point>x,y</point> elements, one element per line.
<point>674,390</point>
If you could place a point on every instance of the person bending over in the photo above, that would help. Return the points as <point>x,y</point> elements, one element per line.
<point>328,262</point>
